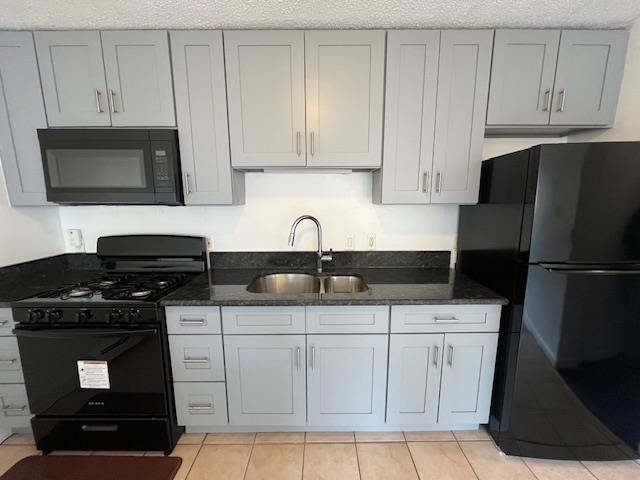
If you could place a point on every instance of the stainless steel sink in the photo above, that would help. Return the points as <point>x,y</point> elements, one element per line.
<point>293,283</point>
<point>344,284</point>
<point>285,283</point>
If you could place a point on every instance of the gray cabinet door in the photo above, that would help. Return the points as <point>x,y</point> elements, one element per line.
<point>21,113</point>
<point>346,379</point>
<point>463,86</point>
<point>415,365</point>
<point>201,107</point>
<point>410,113</point>
<point>138,71</point>
<point>265,379</point>
<point>265,82</point>
<point>522,73</point>
<point>344,90</point>
<point>467,377</point>
<point>588,77</point>
<point>73,81</point>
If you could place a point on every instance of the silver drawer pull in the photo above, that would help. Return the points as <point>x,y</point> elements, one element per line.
<point>196,360</point>
<point>10,361</point>
<point>193,322</point>
<point>450,319</point>
<point>4,322</point>
<point>452,353</point>
<point>436,356</point>
<point>200,406</point>
<point>10,409</point>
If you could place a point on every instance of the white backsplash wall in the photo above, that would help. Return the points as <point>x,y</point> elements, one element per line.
<point>27,233</point>
<point>342,203</point>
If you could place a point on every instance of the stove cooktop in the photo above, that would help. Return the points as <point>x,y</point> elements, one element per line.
<point>115,287</point>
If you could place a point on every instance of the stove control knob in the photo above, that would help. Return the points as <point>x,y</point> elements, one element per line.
<point>135,315</point>
<point>55,315</point>
<point>84,315</point>
<point>35,315</point>
<point>116,315</point>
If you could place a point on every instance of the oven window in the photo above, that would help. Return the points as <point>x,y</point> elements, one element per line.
<point>86,168</point>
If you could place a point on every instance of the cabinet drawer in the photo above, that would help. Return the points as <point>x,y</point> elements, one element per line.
<point>196,358</point>
<point>193,320</point>
<point>10,366</point>
<point>14,407</point>
<point>201,403</point>
<point>444,318</point>
<point>348,319</point>
<point>262,320</point>
<point>6,322</point>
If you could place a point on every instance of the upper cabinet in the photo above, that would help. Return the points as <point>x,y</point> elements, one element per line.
<point>268,101</point>
<point>119,78</point>
<point>265,81</point>
<point>555,80</point>
<point>201,107</point>
<point>436,100</point>
<point>21,113</point>
<point>344,87</point>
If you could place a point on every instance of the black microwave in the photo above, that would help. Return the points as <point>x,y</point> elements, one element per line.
<point>111,166</point>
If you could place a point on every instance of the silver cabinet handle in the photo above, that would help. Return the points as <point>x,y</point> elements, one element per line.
<point>298,144</point>
<point>4,322</point>
<point>190,360</point>
<point>561,99</point>
<point>313,144</point>
<point>10,409</point>
<point>436,355</point>
<point>452,353</point>
<point>313,358</point>
<point>297,358</point>
<point>112,101</point>
<point>187,184</point>
<point>438,182</point>
<point>10,361</point>
<point>425,182</point>
<point>547,100</point>
<point>196,322</point>
<point>450,319</point>
<point>98,104</point>
<point>200,406</point>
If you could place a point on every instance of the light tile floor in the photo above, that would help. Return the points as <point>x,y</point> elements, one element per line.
<point>348,456</point>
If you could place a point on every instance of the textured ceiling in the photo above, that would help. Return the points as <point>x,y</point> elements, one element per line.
<point>25,14</point>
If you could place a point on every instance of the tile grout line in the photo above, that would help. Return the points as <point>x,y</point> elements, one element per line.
<point>246,467</point>
<point>355,446</point>
<point>413,462</point>
<point>195,459</point>
<point>304,449</point>
<point>528,468</point>
<point>465,456</point>
<point>588,470</point>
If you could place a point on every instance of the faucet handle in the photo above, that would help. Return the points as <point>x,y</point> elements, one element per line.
<point>327,257</point>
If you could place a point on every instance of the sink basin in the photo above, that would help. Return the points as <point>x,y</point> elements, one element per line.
<point>293,283</point>
<point>344,284</point>
<point>285,283</point>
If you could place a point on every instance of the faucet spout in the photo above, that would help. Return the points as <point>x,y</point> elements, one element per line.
<point>322,257</point>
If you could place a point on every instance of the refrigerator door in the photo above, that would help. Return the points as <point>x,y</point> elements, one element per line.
<point>577,385</point>
<point>587,205</point>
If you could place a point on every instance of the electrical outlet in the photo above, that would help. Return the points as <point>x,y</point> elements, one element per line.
<point>75,240</point>
<point>209,243</point>
<point>348,244</point>
<point>371,241</point>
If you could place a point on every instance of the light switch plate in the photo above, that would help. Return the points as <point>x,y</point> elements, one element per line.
<point>371,241</point>
<point>75,240</point>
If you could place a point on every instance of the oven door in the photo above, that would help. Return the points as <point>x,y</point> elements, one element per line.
<point>93,372</point>
<point>97,166</point>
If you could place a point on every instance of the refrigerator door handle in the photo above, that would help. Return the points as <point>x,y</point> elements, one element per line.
<point>591,271</point>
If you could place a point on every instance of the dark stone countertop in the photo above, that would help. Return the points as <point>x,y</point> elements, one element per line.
<point>387,286</point>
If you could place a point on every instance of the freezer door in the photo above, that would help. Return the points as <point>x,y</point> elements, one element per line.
<point>587,205</point>
<point>577,388</point>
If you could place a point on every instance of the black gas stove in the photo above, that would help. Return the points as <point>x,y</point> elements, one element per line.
<point>94,354</point>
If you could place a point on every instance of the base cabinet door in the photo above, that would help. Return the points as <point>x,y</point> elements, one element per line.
<point>467,377</point>
<point>415,365</point>
<point>266,379</point>
<point>346,379</point>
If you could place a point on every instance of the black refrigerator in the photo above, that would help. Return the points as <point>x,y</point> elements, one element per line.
<point>557,232</point>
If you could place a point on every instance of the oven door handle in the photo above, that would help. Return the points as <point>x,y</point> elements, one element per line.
<point>66,333</point>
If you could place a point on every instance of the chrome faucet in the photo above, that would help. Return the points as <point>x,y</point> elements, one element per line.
<point>322,257</point>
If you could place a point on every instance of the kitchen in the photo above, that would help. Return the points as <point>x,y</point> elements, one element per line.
<point>385,125</point>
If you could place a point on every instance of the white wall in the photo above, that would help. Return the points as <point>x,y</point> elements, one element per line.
<point>27,233</point>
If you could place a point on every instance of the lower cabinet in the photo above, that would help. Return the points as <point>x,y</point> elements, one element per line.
<point>201,403</point>
<point>467,377</point>
<point>266,379</point>
<point>346,379</point>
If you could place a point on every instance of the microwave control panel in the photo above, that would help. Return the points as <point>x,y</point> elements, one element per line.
<point>163,167</point>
